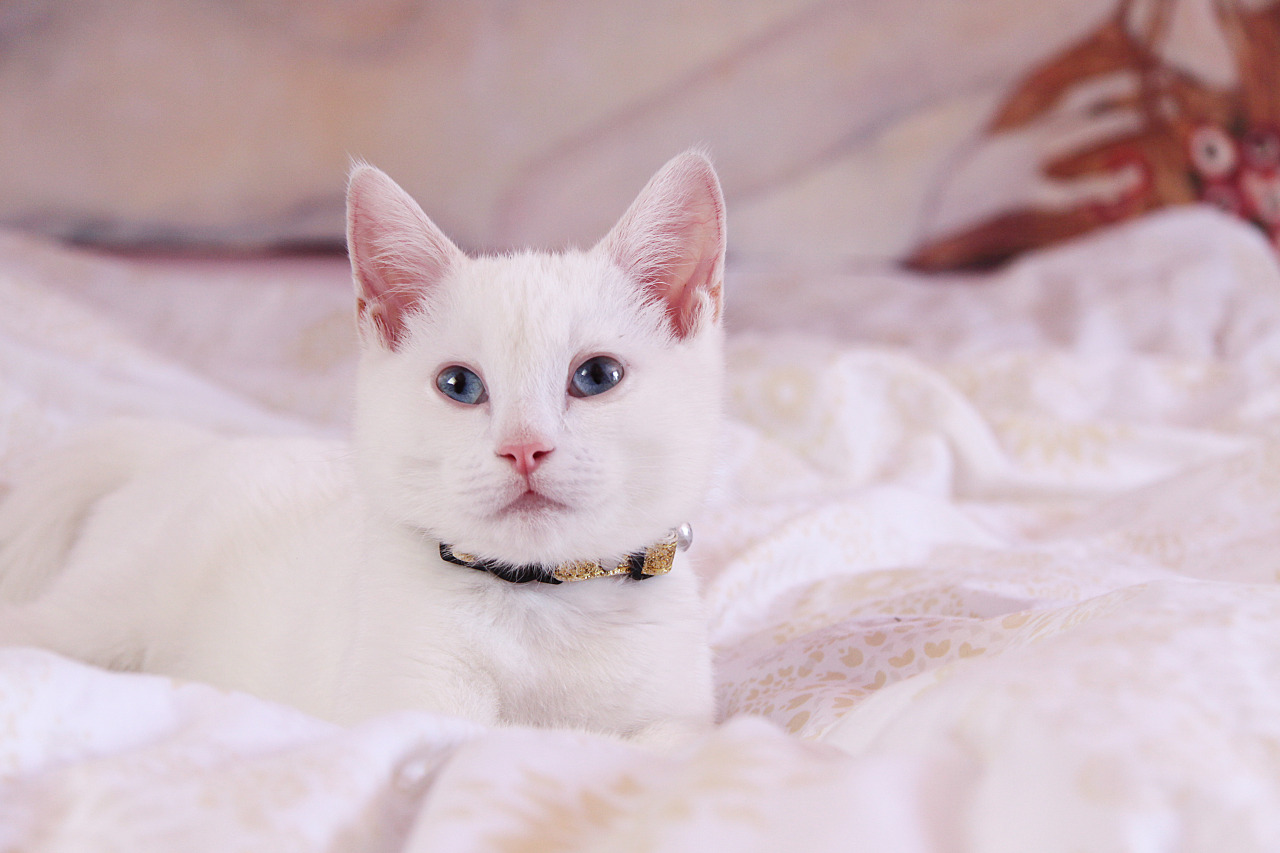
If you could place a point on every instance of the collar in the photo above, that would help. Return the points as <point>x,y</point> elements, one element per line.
<point>654,560</point>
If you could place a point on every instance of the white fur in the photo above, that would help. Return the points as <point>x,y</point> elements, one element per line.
<point>308,572</point>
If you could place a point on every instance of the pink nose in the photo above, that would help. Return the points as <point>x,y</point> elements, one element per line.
<point>527,456</point>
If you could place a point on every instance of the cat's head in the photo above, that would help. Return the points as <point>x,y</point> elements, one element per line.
<point>541,407</point>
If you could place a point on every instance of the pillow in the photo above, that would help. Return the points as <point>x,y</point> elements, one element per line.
<point>1168,102</point>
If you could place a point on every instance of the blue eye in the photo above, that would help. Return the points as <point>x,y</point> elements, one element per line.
<point>595,376</point>
<point>463,385</point>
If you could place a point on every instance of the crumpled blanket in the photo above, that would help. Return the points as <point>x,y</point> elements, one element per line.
<point>991,564</point>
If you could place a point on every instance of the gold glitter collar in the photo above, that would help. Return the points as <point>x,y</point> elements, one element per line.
<point>654,560</point>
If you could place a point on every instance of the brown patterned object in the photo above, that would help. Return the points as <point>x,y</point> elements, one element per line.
<point>1195,142</point>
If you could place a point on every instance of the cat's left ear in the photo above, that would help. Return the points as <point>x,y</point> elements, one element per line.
<point>397,253</point>
<point>672,242</point>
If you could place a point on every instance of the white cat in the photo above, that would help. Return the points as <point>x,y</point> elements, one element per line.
<point>553,410</point>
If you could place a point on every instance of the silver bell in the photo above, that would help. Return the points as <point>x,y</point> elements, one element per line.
<point>684,536</point>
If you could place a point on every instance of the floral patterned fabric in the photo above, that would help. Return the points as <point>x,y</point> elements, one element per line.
<point>1167,102</point>
<point>989,566</point>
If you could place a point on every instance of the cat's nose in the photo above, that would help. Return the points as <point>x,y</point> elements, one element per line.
<point>527,456</point>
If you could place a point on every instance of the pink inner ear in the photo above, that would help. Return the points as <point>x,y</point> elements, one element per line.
<point>692,279</point>
<point>672,241</point>
<point>397,253</point>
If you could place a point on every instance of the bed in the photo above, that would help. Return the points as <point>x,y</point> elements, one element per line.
<point>992,559</point>
<point>990,564</point>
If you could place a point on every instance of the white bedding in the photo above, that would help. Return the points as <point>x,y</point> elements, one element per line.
<point>992,565</point>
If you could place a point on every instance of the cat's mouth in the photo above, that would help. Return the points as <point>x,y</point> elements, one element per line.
<point>533,503</point>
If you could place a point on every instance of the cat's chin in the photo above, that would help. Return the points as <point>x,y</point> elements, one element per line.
<point>534,528</point>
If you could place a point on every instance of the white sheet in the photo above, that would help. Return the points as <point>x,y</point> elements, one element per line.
<point>991,566</point>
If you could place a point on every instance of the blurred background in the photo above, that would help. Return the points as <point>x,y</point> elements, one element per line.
<point>938,133</point>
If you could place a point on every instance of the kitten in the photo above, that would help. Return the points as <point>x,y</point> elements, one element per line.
<point>526,412</point>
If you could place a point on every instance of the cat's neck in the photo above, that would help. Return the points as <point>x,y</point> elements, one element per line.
<point>642,564</point>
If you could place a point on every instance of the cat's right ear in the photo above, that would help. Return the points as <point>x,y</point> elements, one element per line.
<point>397,254</point>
